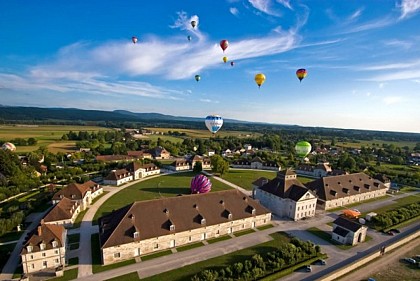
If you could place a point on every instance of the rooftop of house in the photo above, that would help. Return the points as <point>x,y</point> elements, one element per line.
<point>348,224</point>
<point>75,191</point>
<point>45,234</point>
<point>63,210</point>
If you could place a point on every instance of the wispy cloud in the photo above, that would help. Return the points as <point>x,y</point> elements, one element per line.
<point>209,101</point>
<point>285,3</point>
<point>355,15</point>
<point>399,44</point>
<point>409,8</point>
<point>374,24</point>
<point>265,6</point>
<point>392,100</point>
<point>401,65</point>
<point>234,11</point>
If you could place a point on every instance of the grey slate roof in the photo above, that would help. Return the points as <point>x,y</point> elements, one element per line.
<point>347,224</point>
<point>341,231</point>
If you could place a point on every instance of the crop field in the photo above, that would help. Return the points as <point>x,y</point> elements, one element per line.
<point>154,188</point>
<point>49,135</point>
<point>378,143</point>
<point>207,134</point>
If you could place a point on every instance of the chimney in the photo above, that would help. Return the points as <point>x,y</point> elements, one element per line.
<point>39,230</point>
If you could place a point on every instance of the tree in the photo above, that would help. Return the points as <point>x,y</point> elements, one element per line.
<point>198,167</point>
<point>219,165</point>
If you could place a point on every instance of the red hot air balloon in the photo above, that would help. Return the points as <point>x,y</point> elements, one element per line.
<point>200,184</point>
<point>224,44</point>
<point>301,73</point>
<point>134,39</point>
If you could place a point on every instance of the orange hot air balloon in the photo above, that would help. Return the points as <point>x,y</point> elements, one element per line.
<point>224,44</point>
<point>134,39</point>
<point>301,73</point>
<point>259,79</point>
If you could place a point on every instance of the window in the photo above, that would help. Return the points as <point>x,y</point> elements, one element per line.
<point>56,252</point>
<point>32,257</point>
<point>44,254</point>
<point>189,239</point>
<point>56,261</point>
<point>230,216</point>
<point>136,234</point>
<point>33,266</point>
<point>42,246</point>
<point>203,221</point>
<point>156,246</point>
<point>54,244</point>
<point>29,248</point>
<point>44,264</point>
<point>298,208</point>
<point>172,227</point>
<point>117,255</point>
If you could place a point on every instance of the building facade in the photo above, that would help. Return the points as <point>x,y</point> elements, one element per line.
<point>83,194</point>
<point>118,177</point>
<point>287,197</point>
<point>348,232</point>
<point>256,163</point>
<point>150,226</point>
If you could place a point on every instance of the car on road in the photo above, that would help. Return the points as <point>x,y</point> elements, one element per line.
<point>410,260</point>
<point>308,268</point>
<point>391,233</point>
<point>322,262</point>
<point>395,230</point>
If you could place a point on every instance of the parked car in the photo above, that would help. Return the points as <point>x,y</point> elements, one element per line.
<point>322,262</point>
<point>410,260</point>
<point>308,268</point>
<point>391,233</point>
<point>395,230</point>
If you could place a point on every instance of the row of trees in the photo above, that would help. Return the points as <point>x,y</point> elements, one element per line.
<point>390,218</point>
<point>259,266</point>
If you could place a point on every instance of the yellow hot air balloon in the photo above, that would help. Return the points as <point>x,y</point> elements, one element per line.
<point>259,79</point>
<point>225,59</point>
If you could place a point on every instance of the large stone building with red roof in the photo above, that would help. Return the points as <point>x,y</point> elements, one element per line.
<point>150,226</point>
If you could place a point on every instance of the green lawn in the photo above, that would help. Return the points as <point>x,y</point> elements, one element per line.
<point>244,178</point>
<point>99,197</point>
<point>133,276</point>
<point>218,239</point>
<point>365,143</point>
<point>327,237</point>
<point>189,247</point>
<point>186,272</point>
<point>156,255</point>
<point>263,227</point>
<point>244,232</point>
<point>70,274</point>
<point>169,186</point>
<point>398,203</point>
<point>79,219</point>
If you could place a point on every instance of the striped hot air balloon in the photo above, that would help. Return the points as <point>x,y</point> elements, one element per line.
<point>214,123</point>
<point>200,184</point>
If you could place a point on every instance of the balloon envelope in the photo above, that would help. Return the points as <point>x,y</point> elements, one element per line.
<point>224,44</point>
<point>189,38</point>
<point>301,73</point>
<point>200,184</point>
<point>232,63</point>
<point>225,59</point>
<point>303,148</point>
<point>214,123</point>
<point>259,79</point>
<point>134,39</point>
<point>8,146</point>
<point>193,23</point>
<point>197,78</point>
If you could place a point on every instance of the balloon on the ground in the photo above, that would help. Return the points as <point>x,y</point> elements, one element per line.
<point>224,44</point>
<point>197,78</point>
<point>193,23</point>
<point>259,79</point>
<point>200,184</point>
<point>225,59</point>
<point>301,73</point>
<point>134,39</point>
<point>214,123</point>
<point>8,146</point>
<point>303,148</point>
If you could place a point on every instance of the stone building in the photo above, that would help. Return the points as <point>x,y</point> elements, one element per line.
<point>118,177</point>
<point>64,212</point>
<point>140,171</point>
<point>337,191</point>
<point>83,194</point>
<point>45,249</point>
<point>256,163</point>
<point>348,232</point>
<point>150,226</point>
<point>180,165</point>
<point>286,196</point>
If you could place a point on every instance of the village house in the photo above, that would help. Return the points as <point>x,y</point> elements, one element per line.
<point>140,155</point>
<point>205,162</point>
<point>160,153</point>
<point>256,163</point>
<point>149,226</point>
<point>348,232</point>
<point>337,191</point>
<point>140,171</point>
<point>286,196</point>
<point>83,194</point>
<point>45,248</point>
<point>118,177</point>
<point>180,165</point>
<point>64,212</point>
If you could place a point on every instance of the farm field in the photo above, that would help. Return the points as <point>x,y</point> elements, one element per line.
<point>206,133</point>
<point>155,188</point>
<point>378,143</point>
<point>49,135</point>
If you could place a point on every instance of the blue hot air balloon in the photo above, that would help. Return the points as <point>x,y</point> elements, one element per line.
<point>214,123</point>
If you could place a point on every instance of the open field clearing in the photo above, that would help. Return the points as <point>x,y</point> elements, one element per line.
<point>207,134</point>
<point>378,143</point>
<point>49,135</point>
<point>245,178</point>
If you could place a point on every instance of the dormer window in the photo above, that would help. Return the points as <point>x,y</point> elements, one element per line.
<point>73,196</point>
<point>172,227</point>
<point>136,234</point>
<point>42,246</point>
<point>54,244</point>
<point>166,211</point>
<point>254,211</point>
<point>203,221</point>
<point>29,248</point>
<point>61,196</point>
<point>230,216</point>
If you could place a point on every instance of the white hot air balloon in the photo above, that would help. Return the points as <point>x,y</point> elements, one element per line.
<point>8,146</point>
<point>214,123</point>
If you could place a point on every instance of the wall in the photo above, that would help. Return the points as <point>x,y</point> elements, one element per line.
<point>33,262</point>
<point>331,204</point>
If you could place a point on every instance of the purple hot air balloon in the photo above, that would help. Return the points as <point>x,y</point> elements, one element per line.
<point>200,184</point>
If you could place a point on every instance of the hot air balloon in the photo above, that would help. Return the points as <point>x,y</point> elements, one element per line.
<point>214,123</point>
<point>197,78</point>
<point>193,23</point>
<point>200,184</point>
<point>259,79</point>
<point>224,44</point>
<point>189,38</point>
<point>303,148</point>
<point>232,63</point>
<point>134,39</point>
<point>8,146</point>
<point>225,59</point>
<point>301,73</point>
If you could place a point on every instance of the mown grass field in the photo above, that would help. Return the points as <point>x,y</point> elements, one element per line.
<point>49,135</point>
<point>154,188</point>
<point>245,178</point>
<point>206,134</point>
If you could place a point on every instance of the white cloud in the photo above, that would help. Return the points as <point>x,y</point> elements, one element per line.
<point>355,15</point>
<point>285,3</point>
<point>209,101</point>
<point>368,94</point>
<point>375,24</point>
<point>403,65</point>
<point>265,6</point>
<point>234,11</point>
<point>409,8</point>
<point>391,100</point>
<point>399,44</point>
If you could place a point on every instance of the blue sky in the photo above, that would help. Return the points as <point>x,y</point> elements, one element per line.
<point>362,58</point>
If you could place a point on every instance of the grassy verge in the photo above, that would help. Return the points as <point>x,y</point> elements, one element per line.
<point>245,232</point>
<point>264,227</point>
<point>398,203</point>
<point>189,247</point>
<point>325,236</point>
<point>99,197</point>
<point>70,274</point>
<point>79,219</point>
<point>218,239</point>
<point>156,255</point>
<point>133,276</point>
<point>186,272</point>
<point>73,238</point>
